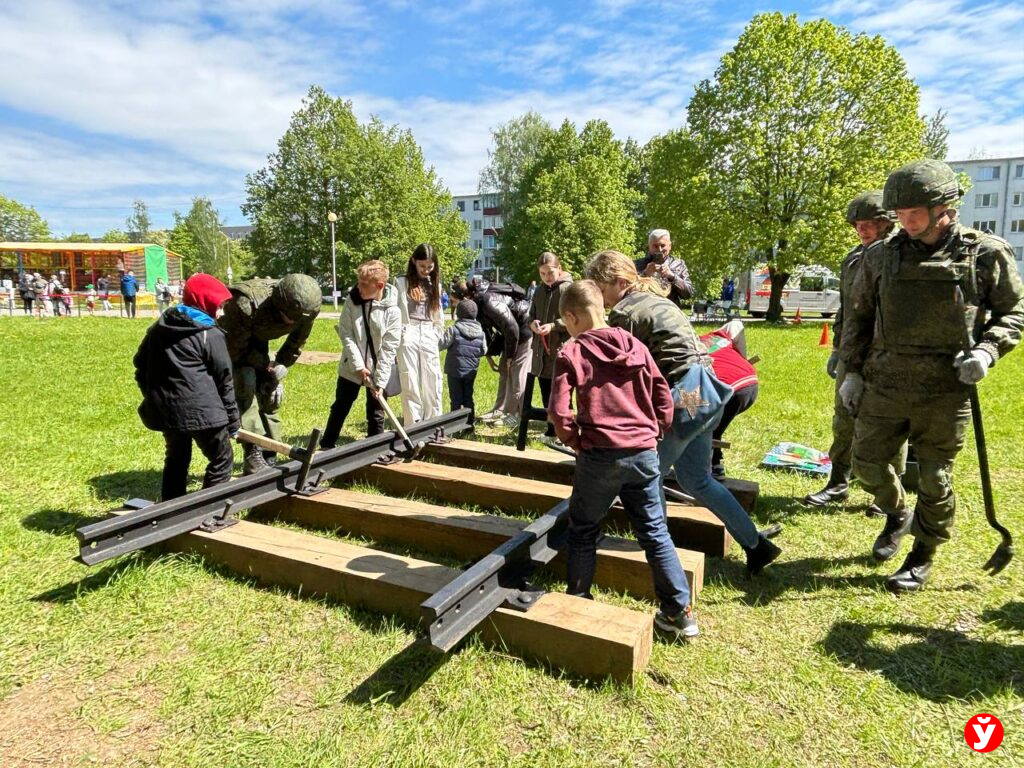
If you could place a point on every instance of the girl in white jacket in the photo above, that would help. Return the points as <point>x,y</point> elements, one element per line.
<point>369,328</point>
<point>419,359</point>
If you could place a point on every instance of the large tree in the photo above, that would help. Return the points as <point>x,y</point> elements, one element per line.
<point>573,199</point>
<point>196,236</point>
<point>515,146</point>
<point>798,119</point>
<point>372,176</point>
<point>139,222</point>
<point>20,223</point>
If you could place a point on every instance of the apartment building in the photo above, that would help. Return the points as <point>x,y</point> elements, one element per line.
<point>996,201</point>
<point>482,215</point>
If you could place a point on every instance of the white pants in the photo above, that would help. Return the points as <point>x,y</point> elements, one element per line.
<point>419,369</point>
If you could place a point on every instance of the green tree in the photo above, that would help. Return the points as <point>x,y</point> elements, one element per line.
<point>139,222</point>
<point>115,236</point>
<point>197,238</point>
<point>515,146</point>
<point>936,136</point>
<point>798,119</point>
<point>372,176</point>
<point>20,223</point>
<point>78,237</point>
<point>573,199</point>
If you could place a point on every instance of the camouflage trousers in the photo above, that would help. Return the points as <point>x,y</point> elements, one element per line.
<point>252,391</point>
<point>841,450</point>
<point>935,424</point>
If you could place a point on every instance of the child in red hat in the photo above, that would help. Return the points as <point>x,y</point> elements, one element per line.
<point>184,372</point>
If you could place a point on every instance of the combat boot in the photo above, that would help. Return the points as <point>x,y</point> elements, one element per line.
<point>761,555</point>
<point>897,525</point>
<point>836,490</point>
<point>914,572</point>
<point>252,460</point>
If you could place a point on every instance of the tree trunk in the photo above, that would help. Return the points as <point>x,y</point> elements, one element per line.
<point>779,280</point>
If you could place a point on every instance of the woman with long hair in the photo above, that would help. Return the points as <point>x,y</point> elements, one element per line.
<point>419,359</point>
<point>638,305</point>
<point>547,326</point>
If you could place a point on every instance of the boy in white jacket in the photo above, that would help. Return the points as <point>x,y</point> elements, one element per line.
<point>370,329</point>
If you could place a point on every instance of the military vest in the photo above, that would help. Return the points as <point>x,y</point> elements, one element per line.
<point>919,313</point>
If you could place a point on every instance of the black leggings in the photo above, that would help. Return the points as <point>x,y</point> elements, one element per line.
<point>345,394</point>
<point>740,401</point>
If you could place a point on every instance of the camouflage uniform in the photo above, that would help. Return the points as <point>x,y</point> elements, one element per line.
<point>255,314</point>
<point>901,331</point>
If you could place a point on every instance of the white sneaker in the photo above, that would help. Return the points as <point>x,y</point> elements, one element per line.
<point>492,416</point>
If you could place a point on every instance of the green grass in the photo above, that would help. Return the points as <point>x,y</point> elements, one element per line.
<point>167,660</point>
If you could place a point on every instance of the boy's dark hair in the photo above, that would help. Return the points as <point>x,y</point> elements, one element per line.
<point>579,297</point>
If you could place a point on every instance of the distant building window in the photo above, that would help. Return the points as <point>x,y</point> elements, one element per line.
<point>489,240</point>
<point>1018,198</point>
<point>477,224</point>
<point>1018,253</point>
<point>461,205</point>
<point>988,173</point>
<point>1019,172</point>
<point>985,226</point>
<point>1017,225</point>
<point>988,200</point>
<point>478,244</point>
<point>476,204</point>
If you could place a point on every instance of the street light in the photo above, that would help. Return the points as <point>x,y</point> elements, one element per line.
<point>333,217</point>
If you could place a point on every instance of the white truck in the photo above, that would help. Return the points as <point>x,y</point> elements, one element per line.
<point>809,289</point>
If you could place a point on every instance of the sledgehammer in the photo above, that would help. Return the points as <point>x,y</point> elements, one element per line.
<point>412,450</point>
<point>305,455</point>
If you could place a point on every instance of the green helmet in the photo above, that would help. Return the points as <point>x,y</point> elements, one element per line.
<point>868,206</point>
<point>297,297</point>
<point>921,184</point>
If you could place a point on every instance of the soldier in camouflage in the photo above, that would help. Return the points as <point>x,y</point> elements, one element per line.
<point>872,223</point>
<point>902,346</point>
<point>260,310</point>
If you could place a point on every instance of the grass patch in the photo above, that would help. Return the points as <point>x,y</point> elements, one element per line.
<point>167,660</point>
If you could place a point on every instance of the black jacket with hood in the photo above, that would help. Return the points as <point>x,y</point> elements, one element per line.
<point>502,315</point>
<point>184,373</point>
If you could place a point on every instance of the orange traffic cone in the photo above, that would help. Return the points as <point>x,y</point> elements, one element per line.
<point>824,342</point>
<point>798,319</point>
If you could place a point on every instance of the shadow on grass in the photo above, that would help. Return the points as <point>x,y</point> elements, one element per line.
<point>803,576</point>
<point>1009,617</point>
<point>935,664</point>
<point>781,508</point>
<point>71,591</point>
<point>135,483</point>
<point>400,676</point>
<point>59,522</point>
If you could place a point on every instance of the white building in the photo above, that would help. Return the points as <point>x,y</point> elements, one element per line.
<point>996,201</point>
<point>482,215</point>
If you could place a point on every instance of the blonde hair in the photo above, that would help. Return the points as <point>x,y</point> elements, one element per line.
<point>580,297</point>
<point>609,266</point>
<point>374,270</point>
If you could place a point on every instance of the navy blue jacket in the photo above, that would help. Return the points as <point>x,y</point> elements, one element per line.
<point>466,344</point>
<point>129,285</point>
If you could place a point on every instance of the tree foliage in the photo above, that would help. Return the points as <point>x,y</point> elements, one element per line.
<point>372,176</point>
<point>515,147</point>
<point>936,136</point>
<point>139,222</point>
<point>115,236</point>
<point>798,119</point>
<point>573,199</point>
<point>78,237</point>
<point>20,223</point>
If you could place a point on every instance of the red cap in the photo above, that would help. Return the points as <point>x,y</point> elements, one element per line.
<point>205,292</point>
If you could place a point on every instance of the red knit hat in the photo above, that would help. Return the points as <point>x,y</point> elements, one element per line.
<point>205,292</point>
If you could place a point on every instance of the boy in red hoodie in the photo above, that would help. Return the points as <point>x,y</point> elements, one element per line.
<point>623,405</point>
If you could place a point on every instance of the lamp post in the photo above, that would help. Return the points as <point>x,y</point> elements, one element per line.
<point>230,274</point>
<point>333,217</point>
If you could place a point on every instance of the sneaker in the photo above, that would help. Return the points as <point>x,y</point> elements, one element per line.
<point>510,420</point>
<point>718,471</point>
<point>551,442</point>
<point>492,416</point>
<point>253,460</point>
<point>682,625</point>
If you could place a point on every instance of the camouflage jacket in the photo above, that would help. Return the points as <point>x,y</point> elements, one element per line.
<point>848,272</point>
<point>664,329</point>
<point>250,321</point>
<point>902,323</point>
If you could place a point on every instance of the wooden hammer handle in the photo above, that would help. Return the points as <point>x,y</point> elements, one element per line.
<point>276,446</point>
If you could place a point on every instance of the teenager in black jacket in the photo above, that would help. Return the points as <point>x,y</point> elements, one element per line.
<point>184,372</point>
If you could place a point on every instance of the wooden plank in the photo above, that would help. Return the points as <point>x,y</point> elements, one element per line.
<point>587,638</point>
<point>549,466</point>
<point>621,564</point>
<point>694,528</point>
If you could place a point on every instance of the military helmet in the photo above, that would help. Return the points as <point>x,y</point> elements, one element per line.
<point>867,206</point>
<point>923,183</point>
<point>297,297</point>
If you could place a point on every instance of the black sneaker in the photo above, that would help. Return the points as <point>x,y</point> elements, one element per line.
<point>683,625</point>
<point>897,525</point>
<point>253,460</point>
<point>914,572</point>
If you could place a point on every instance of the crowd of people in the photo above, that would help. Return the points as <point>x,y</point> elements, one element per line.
<point>53,296</point>
<point>625,380</point>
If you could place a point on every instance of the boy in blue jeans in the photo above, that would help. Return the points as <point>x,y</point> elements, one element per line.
<point>623,406</point>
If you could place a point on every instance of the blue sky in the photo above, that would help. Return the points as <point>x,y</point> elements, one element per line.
<point>105,101</point>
